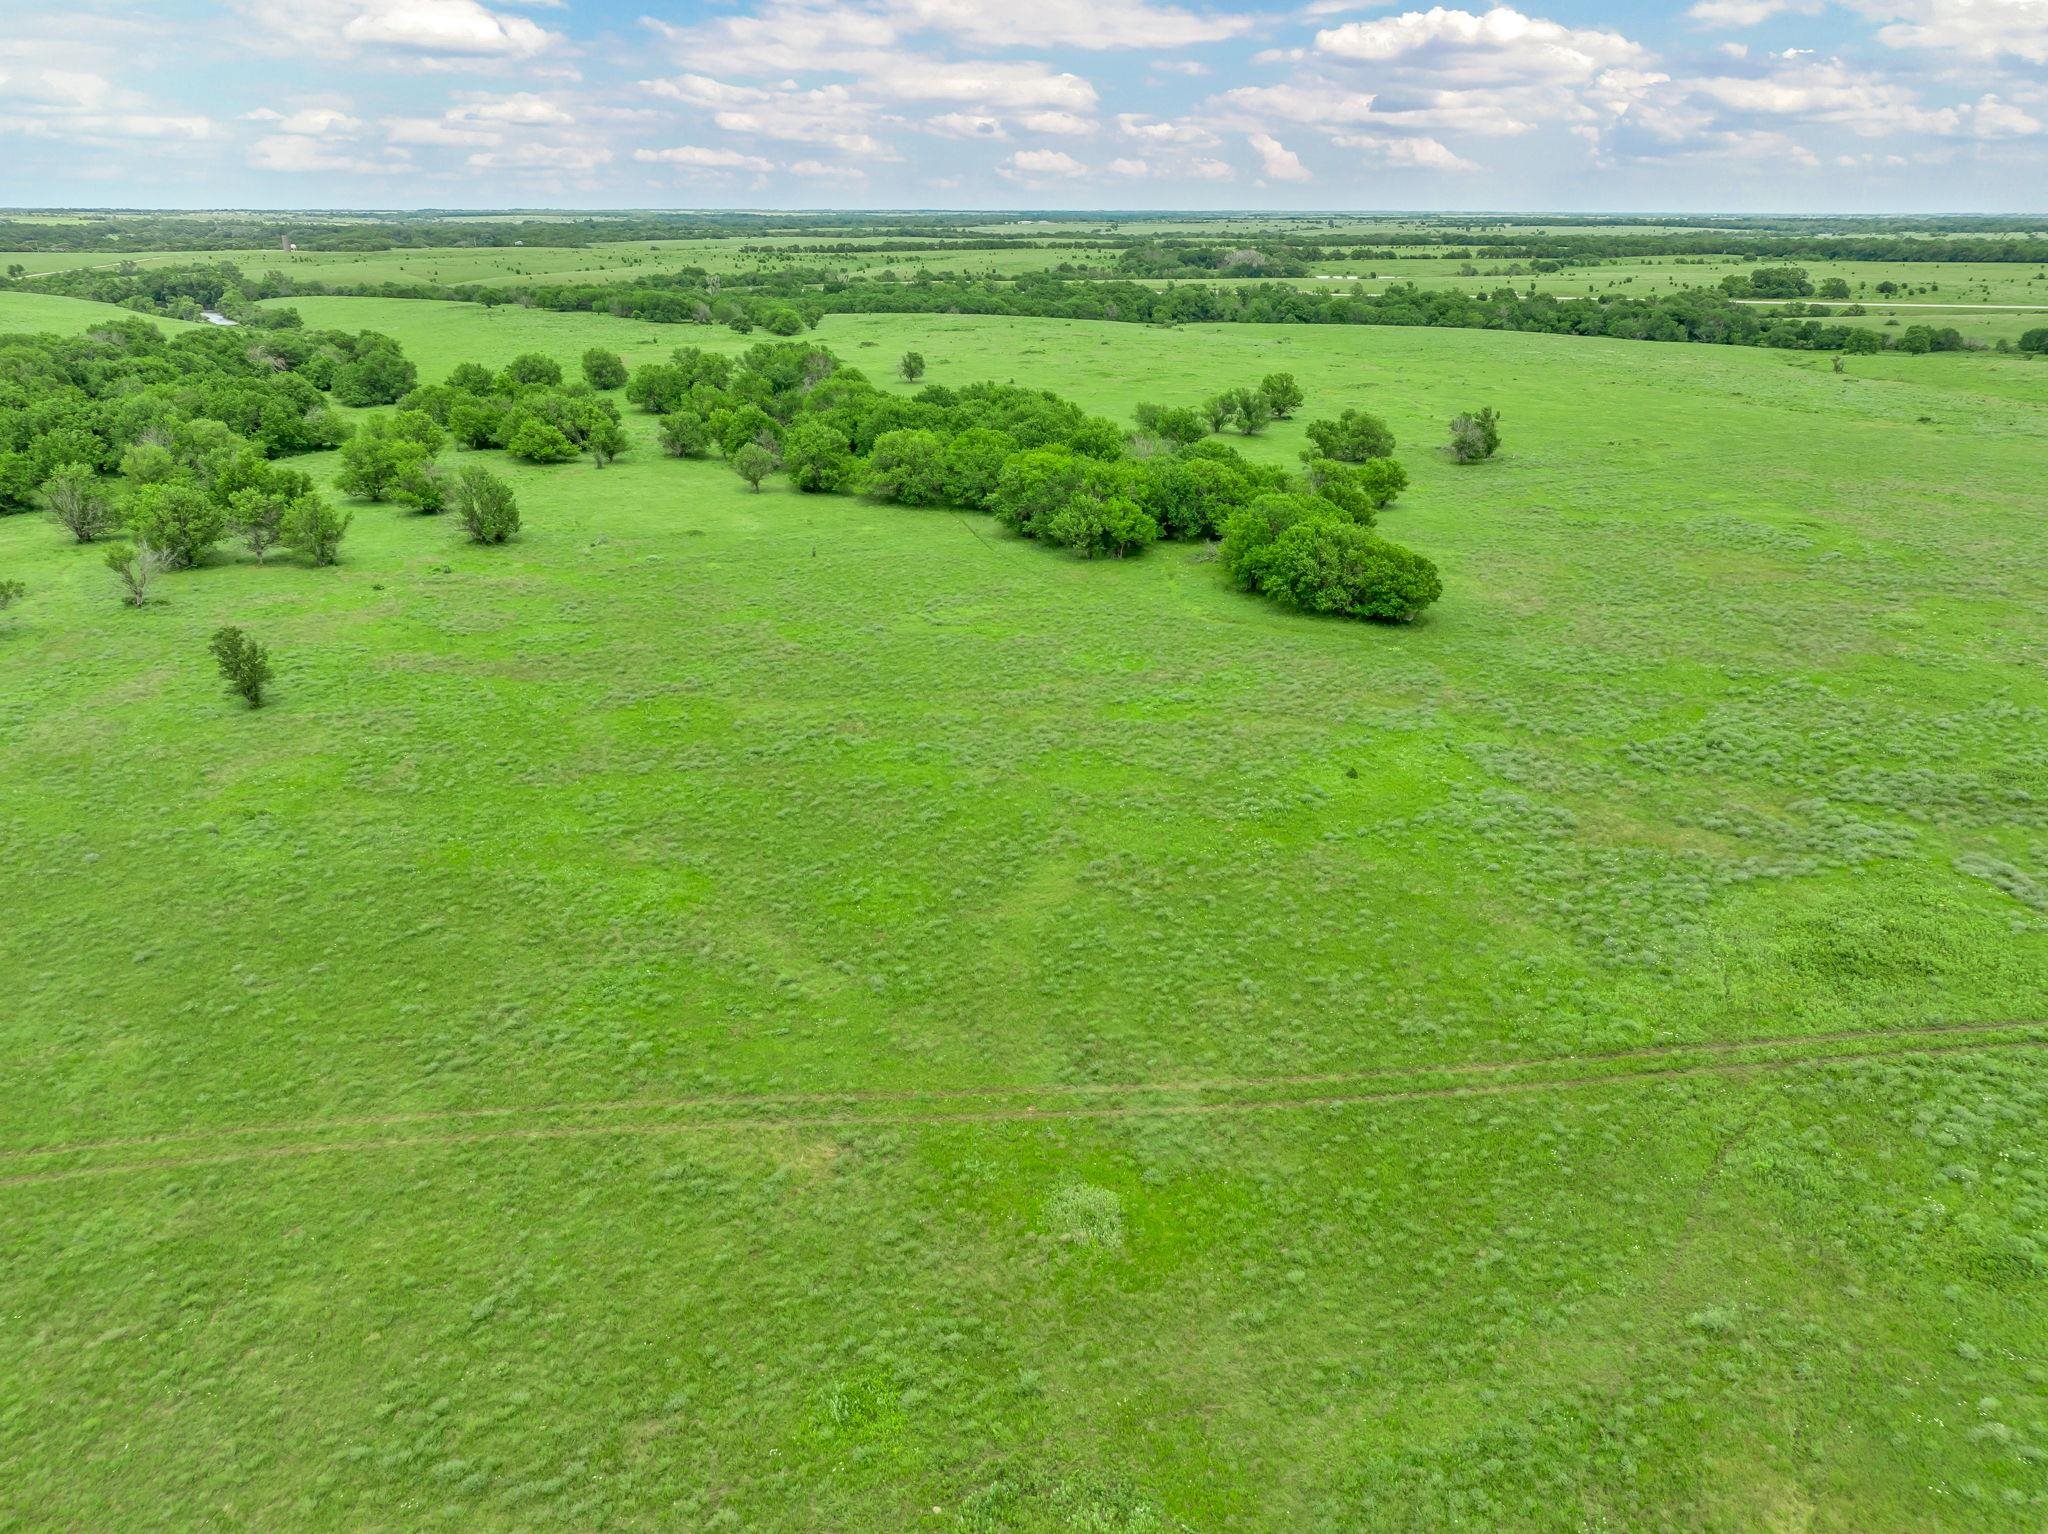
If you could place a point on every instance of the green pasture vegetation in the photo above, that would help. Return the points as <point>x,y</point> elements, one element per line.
<point>717,1008</point>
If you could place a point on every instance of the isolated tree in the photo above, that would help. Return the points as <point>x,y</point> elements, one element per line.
<point>1282,394</point>
<point>1834,287</point>
<point>1352,438</point>
<point>181,522</point>
<point>244,664</point>
<point>603,369</point>
<point>753,463</point>
<point>257,515</point>
<point>315,529</point>
<point>684,434</point>
<point>75,502</point>
<point>605,439</point>
<point>137,569</point>
<point>1475,437</point>
<point>485,504</point>
<point>911,367</point>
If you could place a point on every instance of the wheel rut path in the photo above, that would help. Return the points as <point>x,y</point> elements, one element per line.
<point>200,1146</point>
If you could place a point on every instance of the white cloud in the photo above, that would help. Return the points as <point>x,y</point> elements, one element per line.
<point>298,154</point>
<point>310,122</point>
<point>1502,44</point>
<point>1276,160</point>
<point>966,125</point>
<point>427,31</point>
<point>1981,29</point>
<point>1060,124</point>
<point>1747,13</point>
<point>1039,164</point>
<point>1405,153</point>
<point>1133,168</point>
<point>1091,24</point>
<point>1210,170</point>
<point>576,158</point>
<point>698,157</point>
<point>819,170</point>
<point>1138,126</point>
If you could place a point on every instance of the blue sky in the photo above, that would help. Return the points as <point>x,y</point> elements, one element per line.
<point>1725,105</point>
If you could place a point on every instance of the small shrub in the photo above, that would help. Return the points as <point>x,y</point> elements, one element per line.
<point>1325,566</point>
<point>485,505</point>
<point>10,593</point>
<point>137,569</point>
<point>244,664</point>
<point>1475,437</point>
<point>605,439</point>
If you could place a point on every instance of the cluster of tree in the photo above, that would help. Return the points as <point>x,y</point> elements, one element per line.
<point>94,398</point>
<point>1040,465</point>
<point>1251,410</point>
<point>525,408</point>
<point>2035,343</point>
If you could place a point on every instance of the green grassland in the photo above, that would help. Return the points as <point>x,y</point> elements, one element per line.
<point>33,313</point>
<point>753,1011</point>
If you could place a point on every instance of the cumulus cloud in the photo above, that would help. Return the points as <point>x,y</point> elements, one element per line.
<point>1747,13</point>
<point>1982,29</point>
<point>1405,153</point>
<point>1502,44</point>
<point>1276,161</point>
<point>1034,165</point>
<point>426,31</point>
<point>698,157</point>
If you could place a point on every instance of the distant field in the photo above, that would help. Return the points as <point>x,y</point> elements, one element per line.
<point>781,1012</point>
<point>31,312</point>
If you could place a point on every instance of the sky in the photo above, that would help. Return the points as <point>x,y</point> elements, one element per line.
<point>1592,105</point>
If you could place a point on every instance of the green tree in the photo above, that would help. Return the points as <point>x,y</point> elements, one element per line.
<point>1252,530</point>
<point>685,434</point>
<point>1352,438</point>
<point>180,522</point>
<point>816,456</point>
<point>373,462</point>
<point>974,465</point>
<point>315,529</point>
<point>1282,394</point>
<point>257,516</point>
<point>909,466</point>
<point>537,440</point>
<point>2034,342</point>
<point>1325,566</point>
<point>1093,526</point>
<point>1360,489</point>
<point>244,664</point>
<point>605,439</point>
<point>75,502</point>
<point>485,504</point>
<point>911,367</point>
<point>1251,410</point>
<point>423,486</point>
<point>1217,411</point>
<point>603,369</point>
<point>527,370</point>
<point>10,593</point>
<point>753,463</point>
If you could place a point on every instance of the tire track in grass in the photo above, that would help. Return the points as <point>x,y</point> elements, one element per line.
<point>828,1096</point>
<point>1916,1043</point>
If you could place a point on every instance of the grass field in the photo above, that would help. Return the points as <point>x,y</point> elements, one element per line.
<point>31,313</point>
<point>769,1012</point>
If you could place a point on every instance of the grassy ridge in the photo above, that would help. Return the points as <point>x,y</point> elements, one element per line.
<point>1727,725</point>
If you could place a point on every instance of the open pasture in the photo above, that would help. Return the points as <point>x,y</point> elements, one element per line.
<point>779,1012</point>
